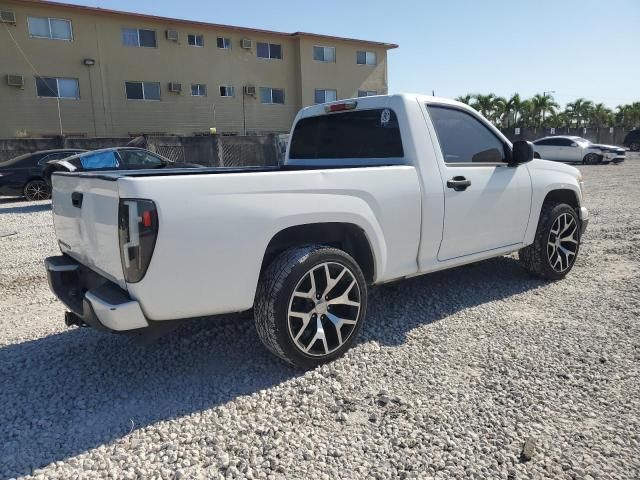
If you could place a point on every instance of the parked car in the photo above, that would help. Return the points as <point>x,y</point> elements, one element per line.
<point>577,150</point>
<point>372,190</point>
<point>23,175</point>
<point>115,158</point>
<point>632,140</point>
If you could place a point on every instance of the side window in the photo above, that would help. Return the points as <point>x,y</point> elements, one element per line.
<point>542,143</point>
<point>463,138</point>
<point>100,160</point>
<point>134,159</point>
<point>53,156</point>
<point>564,142</point>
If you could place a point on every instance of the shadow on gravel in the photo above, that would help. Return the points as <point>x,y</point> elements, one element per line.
<point>30,208</point>
<point>4,200</point>
<point>67,393</point>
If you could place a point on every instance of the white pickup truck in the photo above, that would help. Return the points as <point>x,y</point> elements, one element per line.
<point>372,190</point>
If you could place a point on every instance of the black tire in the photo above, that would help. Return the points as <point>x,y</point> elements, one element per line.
<point>536,257</point>
<point>634,146</point>
<point>592,159</point>
<point>275,294</point>
<point>37,190</point>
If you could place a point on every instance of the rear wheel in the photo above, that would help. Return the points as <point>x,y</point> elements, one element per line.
<point>310,305</point>
<point>557,242</point>
<point>37,190</point>
<point>592,159</point>
<point>635,146</point>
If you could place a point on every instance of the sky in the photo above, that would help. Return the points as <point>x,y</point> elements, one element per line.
<point>575,48</point>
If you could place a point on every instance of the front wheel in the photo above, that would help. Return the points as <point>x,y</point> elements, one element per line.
<point>592,159</point>
<point>557,242</point>
<point>310,305</point>
<point>37,190</point>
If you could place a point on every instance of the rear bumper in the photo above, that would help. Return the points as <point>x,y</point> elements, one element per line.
<point>93,299</point>
<point>584,219</point>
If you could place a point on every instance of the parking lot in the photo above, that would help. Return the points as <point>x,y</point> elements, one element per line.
<point>455,374</point>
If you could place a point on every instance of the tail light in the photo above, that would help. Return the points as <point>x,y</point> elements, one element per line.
<point>137,231</point>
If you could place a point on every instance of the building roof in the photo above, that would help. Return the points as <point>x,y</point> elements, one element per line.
<point>98,10</point>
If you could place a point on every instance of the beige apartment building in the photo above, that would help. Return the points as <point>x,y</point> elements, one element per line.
<point>97,72</point>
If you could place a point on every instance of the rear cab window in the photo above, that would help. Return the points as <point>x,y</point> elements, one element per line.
<point>357,135</point>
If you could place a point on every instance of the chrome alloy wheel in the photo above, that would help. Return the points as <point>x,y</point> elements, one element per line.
<point>36,190</point>
<point>324,309</point>
<point>562,244</point>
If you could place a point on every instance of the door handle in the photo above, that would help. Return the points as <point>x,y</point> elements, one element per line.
<point>76,199</point>
<point>459,184</point>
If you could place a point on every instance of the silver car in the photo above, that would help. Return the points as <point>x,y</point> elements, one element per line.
<point>576,150</point>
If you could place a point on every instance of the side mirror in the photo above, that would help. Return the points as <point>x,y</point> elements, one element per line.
<point>521,152</point>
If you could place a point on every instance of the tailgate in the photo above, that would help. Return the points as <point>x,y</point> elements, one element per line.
<point>85,216</point>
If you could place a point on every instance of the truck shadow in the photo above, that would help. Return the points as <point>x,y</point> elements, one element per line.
<point>24,207</point>
<point>67,393</point>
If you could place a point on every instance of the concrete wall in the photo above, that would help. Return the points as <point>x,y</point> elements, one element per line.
<point>103,109</point>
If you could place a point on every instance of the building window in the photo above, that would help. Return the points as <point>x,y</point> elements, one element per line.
<point>143,90</point>
<point>271,95</point>
<point>57,87</point>
<point>269,50</point>
<point>224,42</point>
<point>324,96</point>
<point>195,40</point>
<point>367,58</point>
<point>52,28</point>
<point>137,37</point>
<point>198,90</point>
<point>367,93</point>
<point>227,91</point>
<point>324,54</point>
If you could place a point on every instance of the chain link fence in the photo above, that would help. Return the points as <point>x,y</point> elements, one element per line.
<point>172,152</point>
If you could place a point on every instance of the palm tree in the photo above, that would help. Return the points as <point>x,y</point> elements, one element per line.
<point>511,110</point>
<point>600,116</point>
<point>484,104</point>
<point>541,105</point>
<point>579,110</point>
<point>466,99</point>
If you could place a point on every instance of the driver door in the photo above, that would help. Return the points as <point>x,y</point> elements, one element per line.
<point>487,202</point>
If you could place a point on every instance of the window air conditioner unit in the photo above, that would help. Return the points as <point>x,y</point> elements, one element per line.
<point>250,90</point>
<point>175,87</point>
<point>172,35</point>
<point>15,80</point>
<point>7,17</point>
<point>246,44</point>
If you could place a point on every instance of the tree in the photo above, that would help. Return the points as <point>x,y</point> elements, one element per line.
<point>511,110</point>
<point>484,104</point>
<point>542,104</point>
<point>579,110</point>
<point>466,99</point>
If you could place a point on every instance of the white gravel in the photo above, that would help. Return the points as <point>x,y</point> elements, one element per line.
<point>480,372</point>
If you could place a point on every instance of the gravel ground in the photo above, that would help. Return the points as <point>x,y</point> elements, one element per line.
<point>478,372</point>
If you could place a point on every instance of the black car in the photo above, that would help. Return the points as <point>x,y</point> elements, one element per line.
<point>632,140</point>
<point>24,176</point>
<point>116,158</point>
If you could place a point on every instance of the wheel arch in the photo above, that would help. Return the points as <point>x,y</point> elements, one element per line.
<point>348,237</point>
<point>562,195</point>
